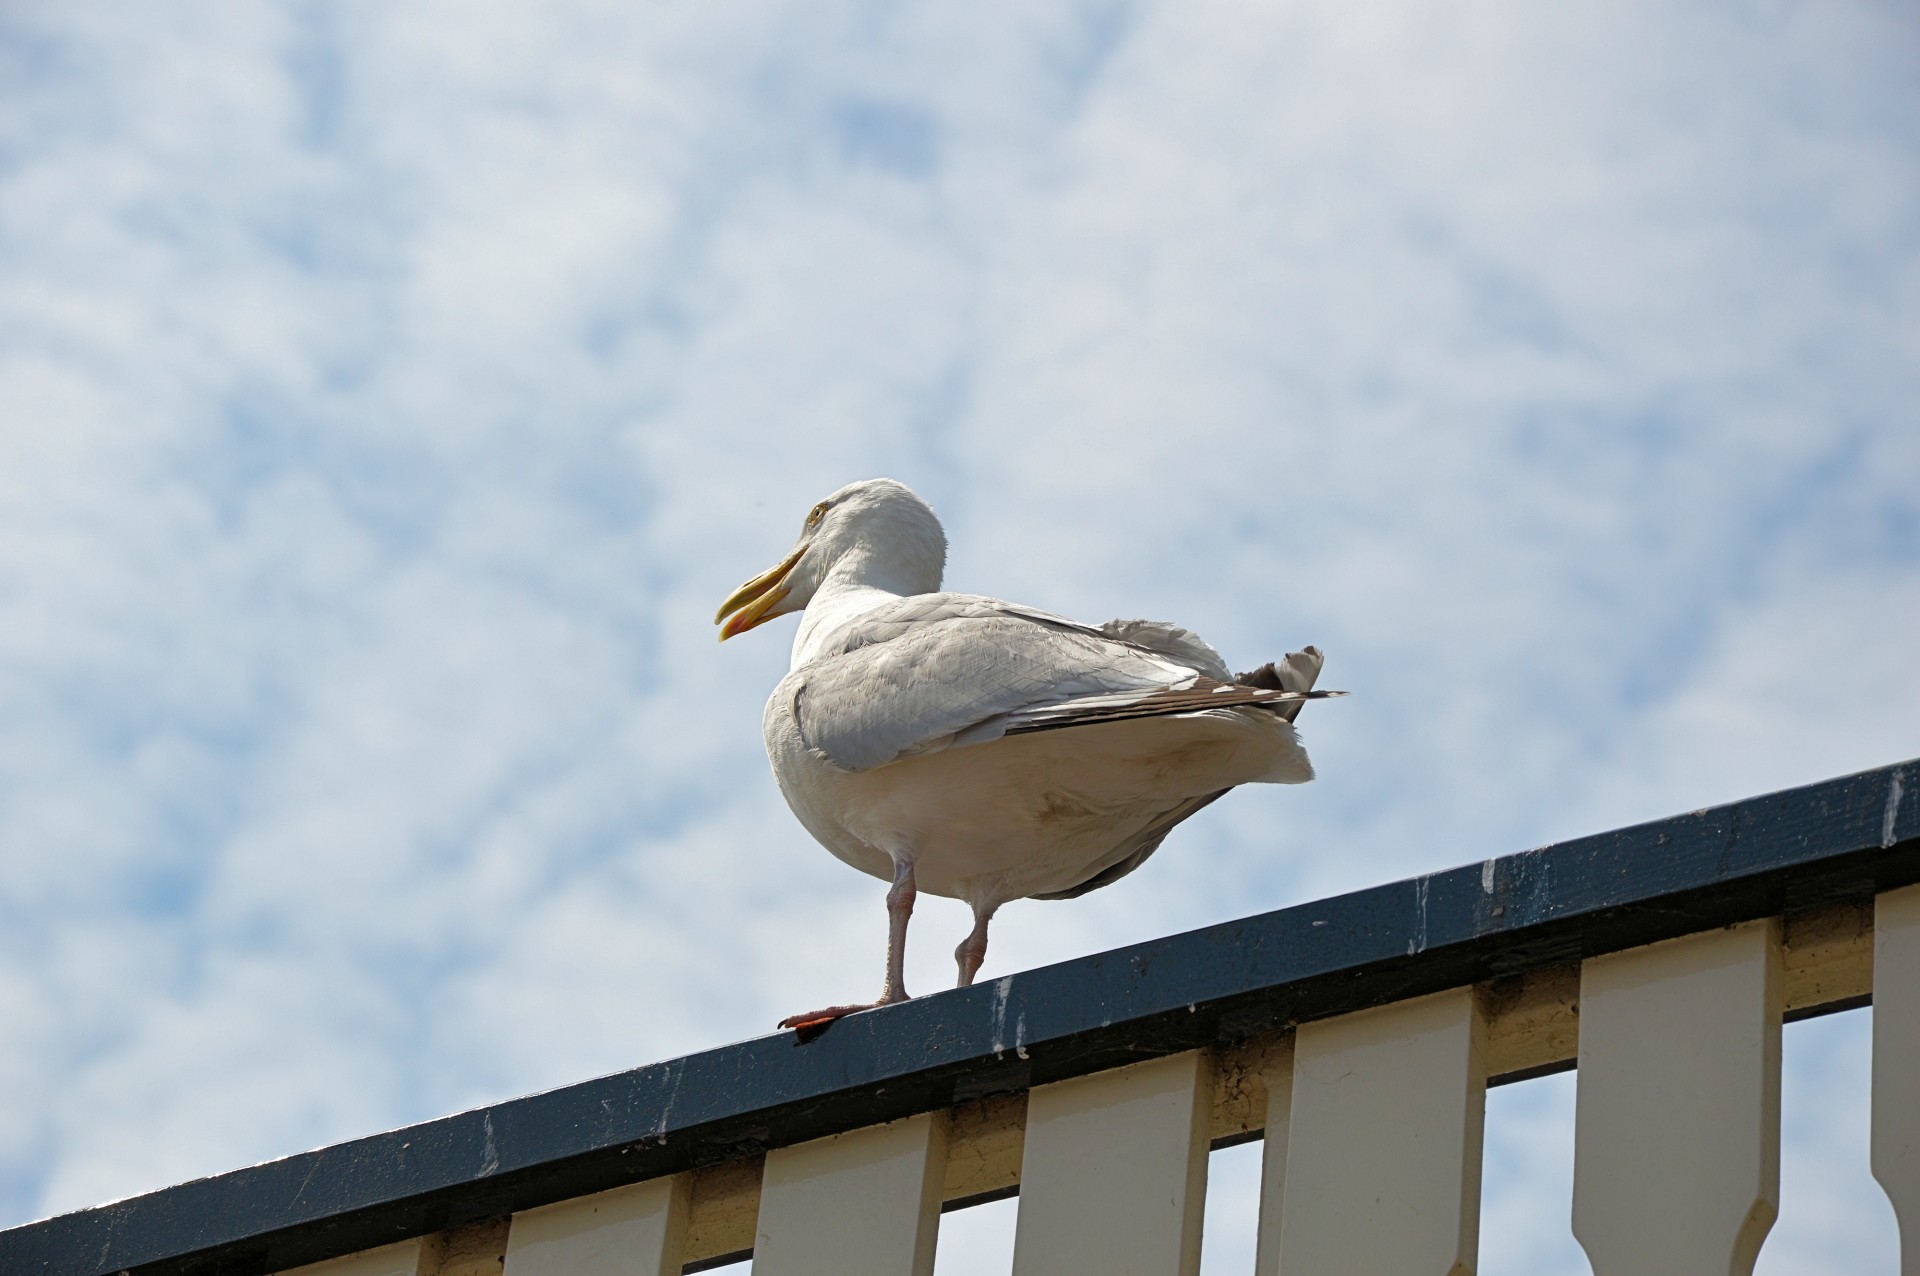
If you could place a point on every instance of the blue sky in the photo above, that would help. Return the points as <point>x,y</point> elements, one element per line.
<point>389,394</point>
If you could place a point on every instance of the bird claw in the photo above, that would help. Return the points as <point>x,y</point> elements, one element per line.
<point>814,1022</point>
<point>821,1018</point>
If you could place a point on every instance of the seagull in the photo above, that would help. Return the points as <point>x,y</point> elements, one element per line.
<point>982,750</point>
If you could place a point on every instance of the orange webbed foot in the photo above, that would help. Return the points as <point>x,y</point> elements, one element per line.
<point>812,1023</point>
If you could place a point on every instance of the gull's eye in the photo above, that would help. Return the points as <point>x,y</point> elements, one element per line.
<point>819,512</point>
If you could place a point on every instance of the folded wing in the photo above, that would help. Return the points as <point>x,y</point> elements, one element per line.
<point>945,670</point>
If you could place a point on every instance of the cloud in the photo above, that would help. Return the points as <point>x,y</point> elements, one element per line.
<point>390,395</point>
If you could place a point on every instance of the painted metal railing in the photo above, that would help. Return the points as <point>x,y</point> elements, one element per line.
<point>1358,1034</point>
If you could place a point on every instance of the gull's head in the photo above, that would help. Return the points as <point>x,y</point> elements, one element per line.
<point>876,533</point>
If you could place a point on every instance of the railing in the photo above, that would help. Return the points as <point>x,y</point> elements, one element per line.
<point>1358,1033</point>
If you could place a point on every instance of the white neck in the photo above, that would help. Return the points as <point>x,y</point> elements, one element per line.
<point>836,605</point>
<point>880,543</point>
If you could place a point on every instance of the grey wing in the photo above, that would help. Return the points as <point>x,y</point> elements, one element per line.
<point>935,683</point>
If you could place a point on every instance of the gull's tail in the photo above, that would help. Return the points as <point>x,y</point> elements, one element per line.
<point>1298,672</point>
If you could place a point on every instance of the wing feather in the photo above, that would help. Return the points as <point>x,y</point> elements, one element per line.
<point>1205,694</point>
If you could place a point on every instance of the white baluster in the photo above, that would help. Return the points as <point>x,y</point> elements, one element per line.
<point>865,1202</point>
<point>1383,1143</point>
<point>1677,1120</point>
<point>1896,1063</point>
<point>1278,1075</point>
<point>638,1230</point>
<point>1113,1180</point>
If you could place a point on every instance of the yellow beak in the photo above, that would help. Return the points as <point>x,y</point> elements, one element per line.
<point>756,598</point>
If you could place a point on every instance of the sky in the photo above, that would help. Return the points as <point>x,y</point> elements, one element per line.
<point>389,394</point>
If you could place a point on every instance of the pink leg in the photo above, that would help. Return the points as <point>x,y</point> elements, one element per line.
<point>900,899</point>
<point>899,911</point>
<point>973,949</point>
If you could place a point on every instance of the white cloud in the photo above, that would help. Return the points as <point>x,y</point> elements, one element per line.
<point>390,394</point>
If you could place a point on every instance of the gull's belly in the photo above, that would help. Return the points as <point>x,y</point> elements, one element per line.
<point>1028,814</point>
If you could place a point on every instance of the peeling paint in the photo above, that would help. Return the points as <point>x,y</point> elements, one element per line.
<point>1540,898</point>
<point>312,1170</point>
<point>1420,885</point>
<point>675,1071</point>
<point>489,1155</point>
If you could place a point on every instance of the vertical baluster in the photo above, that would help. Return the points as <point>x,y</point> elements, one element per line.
<point>1896,1063</point>
<point>1383,1143</point>
<point>1113,1180</point>
<point>867,1201</point>
<point>639,1230</point>
<point>1677,1119</point>
<point>1278,1075</point>
<point>415,1257</point>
